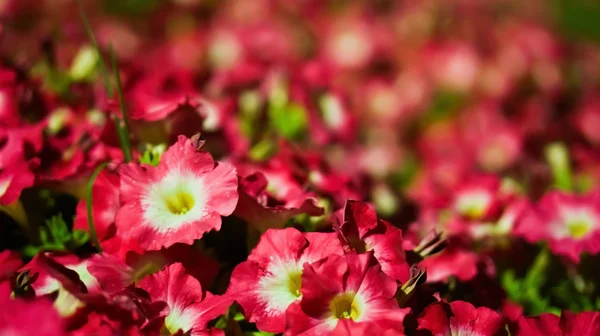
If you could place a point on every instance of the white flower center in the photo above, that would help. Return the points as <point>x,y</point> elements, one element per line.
<point>180,197</point>
<point>576,223</point>
<point>281,285</point>
<point>473,204</point>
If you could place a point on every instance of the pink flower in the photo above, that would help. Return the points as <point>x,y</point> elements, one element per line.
<point>177,201</point>
<point>452,261</point>
<point>114,273</point>
<point>361,230</point>
<point>20,318</point>
<point>9,262</point>
<point>271,279</point>
<point>13,179</point>
<point>254,207</point>
<point>105,197</point>
<point>581,324</point>
<point>67,303</point>
<point>345,293</point>
<point>461,318</point>
<point>477,197</point>
<point>190,308</point>
<point>570,223</point>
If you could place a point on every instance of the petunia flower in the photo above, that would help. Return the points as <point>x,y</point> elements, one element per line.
<point>177,201</point>
<point>460,318</point>
<point>9,262</point>
<point>271,279</point>
<point>254,207</point>
<point>360,230</point>
<point>105,197</point>
<point>190,308</point>
<point>570,223</point>
<point>345,295</point>
<point>13,179</point>
<point>32,317</point>
<point>580,324</point>
<point>48,283</point>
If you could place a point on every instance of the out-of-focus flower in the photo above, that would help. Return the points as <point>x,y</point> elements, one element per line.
<point>570,223</point>
<point>584,324</point>
<point>461,318</point>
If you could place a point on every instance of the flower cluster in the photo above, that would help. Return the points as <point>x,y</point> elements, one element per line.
<point>263,167</point>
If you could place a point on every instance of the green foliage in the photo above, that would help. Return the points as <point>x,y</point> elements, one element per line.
<point>56,236</point>
<point>538,292</point>
<point>289,119</point>
<point>578,18</point>
<point>132,7</point>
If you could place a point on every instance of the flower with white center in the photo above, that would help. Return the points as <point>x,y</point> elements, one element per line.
<point>570,223</point>
<point>271,279</point>
<point>178,200</point>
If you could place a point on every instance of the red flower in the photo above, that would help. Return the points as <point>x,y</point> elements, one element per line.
<point>581,324</point>
<point>19,317</point>
<point>271,279</point>
<point>105,197</point>
<point>254,207</point>
<point>9,263</point>
<point>461,318</point>
<point>177,201</point>
<point>190,308</point>
<point>13,179</point>
<point>345,293</point>
<point>570,223</point>
<point>361,230</point>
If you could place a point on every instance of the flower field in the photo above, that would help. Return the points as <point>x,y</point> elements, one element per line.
<point>306,167</point>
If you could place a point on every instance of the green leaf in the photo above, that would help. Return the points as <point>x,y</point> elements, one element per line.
<point>79,238</point>
<point>290,121</point>
<point>30,251</point>
<point>578,19</point>
<point>239,317</point>
<point>84,64</point>
<point>263,150</point>
<point>557,156</point>
<point>58,229</point>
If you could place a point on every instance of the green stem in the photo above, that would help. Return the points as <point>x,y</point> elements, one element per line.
<point>89,203</point>
<point>92,37</point>
<point>538,267</point>
<point>123,128</point>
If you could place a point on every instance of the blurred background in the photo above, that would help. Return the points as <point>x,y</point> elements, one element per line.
<point>414,93</point>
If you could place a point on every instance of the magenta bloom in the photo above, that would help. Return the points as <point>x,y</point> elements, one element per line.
<point>460,318</point>
<point>580,324</point>
<point>360,230</point>
<point>344,295</point>
<point>570,223</point>
<point>177,201</point>
<point>105,195</point>
<point>22,318</point>
<point>190,308</point>
<point>271,279</point>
